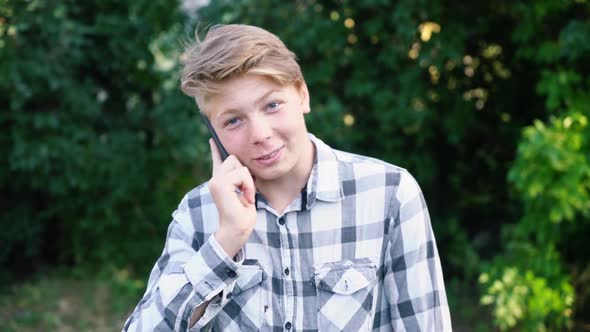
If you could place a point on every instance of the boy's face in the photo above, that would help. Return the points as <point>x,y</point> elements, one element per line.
<point>261,122</point>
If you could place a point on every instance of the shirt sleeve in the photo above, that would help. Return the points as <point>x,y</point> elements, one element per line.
<point>184,278</point>
<point>414,282</point>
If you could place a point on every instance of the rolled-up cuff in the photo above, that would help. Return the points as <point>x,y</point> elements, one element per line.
<point>211,270</point>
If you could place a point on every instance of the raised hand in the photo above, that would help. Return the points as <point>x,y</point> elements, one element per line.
<point>233,191</point>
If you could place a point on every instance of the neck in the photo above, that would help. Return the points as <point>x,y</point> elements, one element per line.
<point>282,191</point>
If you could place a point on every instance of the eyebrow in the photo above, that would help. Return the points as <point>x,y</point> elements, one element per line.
<point>264,96</point>
<point>257,102</point>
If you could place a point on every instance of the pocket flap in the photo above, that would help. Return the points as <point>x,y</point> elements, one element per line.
<point>248,278</point>
<point>345,277</point>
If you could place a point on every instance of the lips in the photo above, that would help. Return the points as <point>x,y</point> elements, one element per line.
<point>271,157</point>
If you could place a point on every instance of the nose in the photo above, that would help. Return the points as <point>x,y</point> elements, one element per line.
<point>260,129</point>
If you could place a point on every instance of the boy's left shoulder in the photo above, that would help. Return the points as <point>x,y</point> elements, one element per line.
<point>360,173</point>
<point>375,172</point>
<point>364,165</point>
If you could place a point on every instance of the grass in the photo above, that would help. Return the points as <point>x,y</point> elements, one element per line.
<point>63,304</point>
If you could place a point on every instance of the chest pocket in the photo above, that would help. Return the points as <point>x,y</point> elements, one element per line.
<point>345,294</point>
<point>245,306</point>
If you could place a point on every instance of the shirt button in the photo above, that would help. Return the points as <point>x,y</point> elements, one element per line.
<point>230,273</point>
<point>281,221</point>
<point>286,271</point>
<point>229,295</point>
<point>288,325</point>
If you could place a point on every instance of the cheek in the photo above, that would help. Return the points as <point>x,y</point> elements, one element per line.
<point>291,122</point>
<point>294,127</point>
<point>287,132</point>
<point>234,143</point>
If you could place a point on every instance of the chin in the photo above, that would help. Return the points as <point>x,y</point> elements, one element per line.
<point>268,176</point>
<point>271,174</point>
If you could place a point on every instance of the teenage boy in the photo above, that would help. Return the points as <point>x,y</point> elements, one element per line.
<point>288,234</point>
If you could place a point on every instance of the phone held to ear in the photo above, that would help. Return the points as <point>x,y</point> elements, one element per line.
<point>222,150</point>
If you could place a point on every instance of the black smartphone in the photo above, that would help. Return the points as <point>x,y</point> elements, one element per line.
<point>222,150</point>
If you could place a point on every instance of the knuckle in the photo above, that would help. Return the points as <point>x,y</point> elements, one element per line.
<point>231,159</point>
<point>212,184</point>
<point>235,161</point>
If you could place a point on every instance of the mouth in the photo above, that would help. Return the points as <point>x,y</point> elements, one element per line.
<point>270,156</point>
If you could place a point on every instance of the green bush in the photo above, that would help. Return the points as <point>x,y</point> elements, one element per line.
<point>526,302</point>
<point>98,143</point>
<point>531,284</point>
<point>552,174</point>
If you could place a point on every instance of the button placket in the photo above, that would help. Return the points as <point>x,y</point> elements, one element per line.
<point>287,278</point>
<point>230,273</point>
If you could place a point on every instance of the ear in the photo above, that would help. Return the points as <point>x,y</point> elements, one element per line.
<point>303,96</point>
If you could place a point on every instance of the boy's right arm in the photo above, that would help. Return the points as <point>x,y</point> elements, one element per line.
<point>185,283</point>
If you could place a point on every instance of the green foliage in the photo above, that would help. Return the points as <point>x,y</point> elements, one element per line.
<point>462,256</point>
<point>552,176</point>
<point>552,173</point>
<point>560,87</point>
<point>530,285</point>
<point>98,143</point>
<point>524,301</point>
<point>527,289</point>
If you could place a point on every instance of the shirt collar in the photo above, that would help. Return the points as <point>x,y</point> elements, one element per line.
<point>324,182</point>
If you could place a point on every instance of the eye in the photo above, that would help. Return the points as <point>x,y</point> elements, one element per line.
<point>272,106</point>
<point>232,122</point>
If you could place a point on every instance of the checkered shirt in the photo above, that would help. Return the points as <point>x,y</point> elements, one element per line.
<point>354,252</point>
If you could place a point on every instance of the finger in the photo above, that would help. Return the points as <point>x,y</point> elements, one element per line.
<point>241,179</point>
<point>243,200</point>
<point>215,156</point>
<point>249,190</point>
<point>230,164</point>
<point>248,187</point>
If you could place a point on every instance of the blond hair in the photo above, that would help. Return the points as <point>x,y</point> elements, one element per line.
<point>228,51</point>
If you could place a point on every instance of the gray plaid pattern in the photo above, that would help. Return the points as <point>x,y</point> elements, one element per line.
<point>356,253</point>
<point>345,294</point>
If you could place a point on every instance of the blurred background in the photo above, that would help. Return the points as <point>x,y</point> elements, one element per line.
<point>487,103</point>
